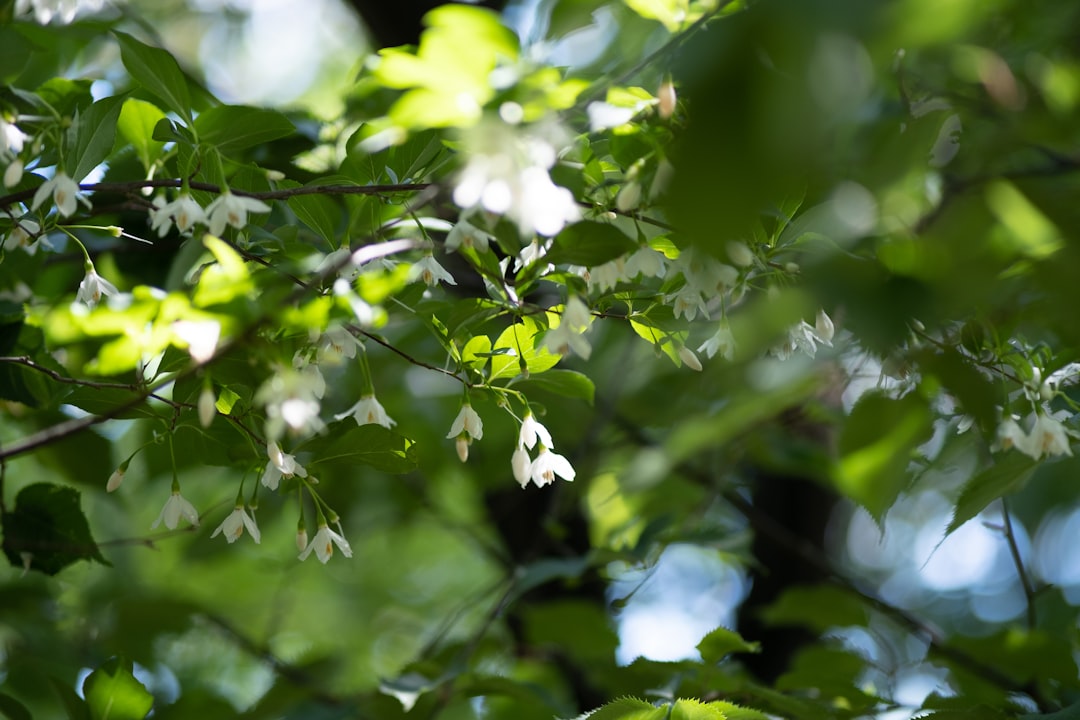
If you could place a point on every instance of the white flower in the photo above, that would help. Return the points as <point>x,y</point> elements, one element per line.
<point>468,423</point>
<point>22,235</point>
<point>722,342</point>
<point>531,431</point>
<point>522,466</point>
<point>467,234</point>
<point>647,262</point>
<point>1010,434</point>
<point>291,399</point>
<point>207,406</point>
<point>65,10</point>
<point>605,277</point>
<point>233,526</point>
<point>175,508</point>
<point>281,465</point>
<point>689,359</point>
<point>1048,436</point>
<point>184,211</point>
<point>368,411</point>
<point>802,336</point>
<point>92,287</point>
<point>64,191</point>
<point>323,545</point>
<point>430,271</point>
<point>687,302</point>
<point>336,344</point>
<point>11,138</point>
<point>200,336</point>
<point>739,253</point>
<point>531,253</point>
<point>629,196</point>
<point>547,465</point>
<point>229,209</point>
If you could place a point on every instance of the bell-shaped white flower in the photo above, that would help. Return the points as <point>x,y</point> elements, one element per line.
<point>281,465</point>
<point>12,138</point>
<point>200,336</point>
<point>368,411</point>
<point>1049,436</point>
<point>547,465</point>
<point>183,211</point>
<point>233,526</point>
<point>93,286</point>
<point>323,544</point>
<point>722,342</point>
<point>175,508</point>
<point>64,191</point>
<point>531,431</point>
<point>465,234</point>
<point>467,422</point>
<point>229,209</point>
<point>430,272</point>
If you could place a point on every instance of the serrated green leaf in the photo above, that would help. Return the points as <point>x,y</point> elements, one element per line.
<point>48,526</point>
<point>1009,473</point>
<point>224,281</point>
<point>732,711</point>
<point>231,128</point>
<point>113,693</point>
<point>94,137</point>
<point>371,445</point>
<point>721,642</point>
<point>690,709</point>
<point>158,72</point>
<point>629,709</point>
<point>137,123</point>
<point>568,383</point>
<point>589,243</point>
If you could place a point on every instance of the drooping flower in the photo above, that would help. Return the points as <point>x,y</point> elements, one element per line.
<point>468,235</point>
<point>647,262</point>
<point>175,508</point>
<point>368,411</point>
<point>23,234</point>
<point>687,302</point>
<point>64,10</point>
<point>430,271</point>
<point>183,211</point>
<point>200,336</point>
<point>11,138</point>
<point>467,426</point>
<point>13,173</point>
<point>531,431</point>
<point>568,337</point>
<point>281,465</point>
<point>64,191</point>
<point>547,465</point>
<point>229,209</point>
<point>291,398</point>
<point>337,344</point>
<point>233,526</point>
<point>1048,436</point>
<point>722,342</point>
<point>93,286</point>
<point>323,544</point>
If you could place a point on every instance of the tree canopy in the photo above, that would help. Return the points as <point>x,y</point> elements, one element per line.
<point>631,358</point>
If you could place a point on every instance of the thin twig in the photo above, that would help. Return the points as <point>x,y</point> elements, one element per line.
<point>1025,578</point>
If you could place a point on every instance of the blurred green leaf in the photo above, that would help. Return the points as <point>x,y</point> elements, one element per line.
<point>568,383</point>
<point>818,607</point>
<point>231,128</point>
<point>721,642</point>
<point>589,243</point>
<point>1008,474</point>
<point>371,445</point>
<point>158,72</point>
<point>47,530</point>
<point>113,693</point>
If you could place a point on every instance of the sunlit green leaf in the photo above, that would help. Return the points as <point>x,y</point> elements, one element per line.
<point>113,693</point>
<point>157,71</point>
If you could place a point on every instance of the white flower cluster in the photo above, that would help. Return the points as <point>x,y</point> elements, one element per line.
<point>63,10</point>
<point>507,174</point>
<point>226,210</point>
<point>543,469</point>
<point>1047,435</point>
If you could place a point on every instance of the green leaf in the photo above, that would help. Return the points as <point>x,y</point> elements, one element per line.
<point>371,445</point>
<point>876,445</point>
<point>94,137</point>
<point>568,383</point>
<point>158,72</point>
<point>15,50</point>
<point>629,709</point>
<point>731,711</point>
<point>137,123</point>
<point>818,607</point>
<point>318,212</point>
<point>1009,473</point>
<point>721,642</point>
<point>1070,713</point>
<point>224,281</point>
<point>12,709</point>
<point>48,524</point>
<point>689,709</point>
<point>521,339</point>
<point>231,128</point>
<point>589,243</point>
<point>113,693</point>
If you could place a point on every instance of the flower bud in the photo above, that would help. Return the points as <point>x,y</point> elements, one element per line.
<point>792,268</point>
<point>689,358</point>
<point>521,464</point>
<point>274,175</point>
<point>301,538</point>
<point>462,448</point>
<point>629,197</point>
<point>824,327</point>
<point>666,96</point>
<point>13,173</point>
<point>739,253</point>
<point>115,479</point>
<point>207,406</point>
